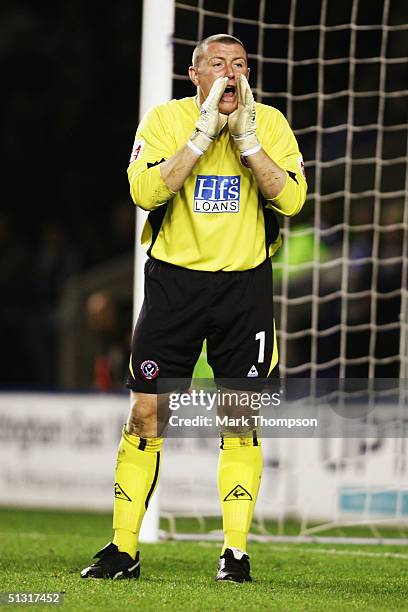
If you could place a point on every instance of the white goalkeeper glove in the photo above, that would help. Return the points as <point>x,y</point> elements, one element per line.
<point>211,121</point>
<point>242,122</point>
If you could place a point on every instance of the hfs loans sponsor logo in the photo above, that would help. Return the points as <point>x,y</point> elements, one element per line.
<point>217,194</point>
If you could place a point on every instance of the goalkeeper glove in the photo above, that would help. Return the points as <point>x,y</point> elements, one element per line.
<point>211,121</point>
<point>242,122</point>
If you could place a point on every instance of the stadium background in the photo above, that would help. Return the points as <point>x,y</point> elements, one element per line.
<point>69,112</point>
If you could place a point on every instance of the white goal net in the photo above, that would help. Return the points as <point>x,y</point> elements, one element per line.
<point>338,71</point>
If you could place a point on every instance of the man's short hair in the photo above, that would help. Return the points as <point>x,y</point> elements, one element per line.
<point>221,38</point>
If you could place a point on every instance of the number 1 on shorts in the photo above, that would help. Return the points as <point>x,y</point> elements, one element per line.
<point>261,337</point>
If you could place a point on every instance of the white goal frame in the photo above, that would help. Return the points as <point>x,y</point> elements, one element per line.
<point>155,88</point>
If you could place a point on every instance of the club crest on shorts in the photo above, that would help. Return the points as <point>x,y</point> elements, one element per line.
<point>149,369</point>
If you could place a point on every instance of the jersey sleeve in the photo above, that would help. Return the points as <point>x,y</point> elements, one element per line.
<point>153,144</point>
<point>281,146</point>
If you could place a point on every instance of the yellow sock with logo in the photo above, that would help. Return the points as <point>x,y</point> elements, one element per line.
<point>136,477</point>
<point>239,476</point>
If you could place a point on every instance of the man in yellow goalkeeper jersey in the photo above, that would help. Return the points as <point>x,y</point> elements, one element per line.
<point>211,170</point>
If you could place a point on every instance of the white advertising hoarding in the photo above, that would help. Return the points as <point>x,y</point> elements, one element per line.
<point>59,451</point>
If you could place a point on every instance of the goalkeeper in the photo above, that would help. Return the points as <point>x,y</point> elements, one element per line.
<point>210,170</point>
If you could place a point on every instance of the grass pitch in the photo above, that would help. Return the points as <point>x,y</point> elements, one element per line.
<point>44,551</point>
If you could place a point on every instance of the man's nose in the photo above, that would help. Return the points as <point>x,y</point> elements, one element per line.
<point>229,71</point>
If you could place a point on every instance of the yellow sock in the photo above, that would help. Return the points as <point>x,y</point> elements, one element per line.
<point>239,476</point>
<point>136,477</point>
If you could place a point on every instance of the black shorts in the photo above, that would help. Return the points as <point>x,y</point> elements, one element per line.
<point>181,308</point>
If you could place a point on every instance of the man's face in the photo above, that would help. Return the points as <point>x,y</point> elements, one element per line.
<point>220,60</point>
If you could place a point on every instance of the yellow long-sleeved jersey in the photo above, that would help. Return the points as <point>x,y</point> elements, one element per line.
<point>219,220</point>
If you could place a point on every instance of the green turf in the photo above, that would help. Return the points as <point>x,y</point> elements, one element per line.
<point>44,551</point>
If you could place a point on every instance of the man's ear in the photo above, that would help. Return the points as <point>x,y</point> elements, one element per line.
<point>192,73</point>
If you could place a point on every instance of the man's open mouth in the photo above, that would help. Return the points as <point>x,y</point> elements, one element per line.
<point>229,92</point>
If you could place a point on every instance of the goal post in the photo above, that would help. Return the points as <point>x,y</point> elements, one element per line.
<point>155,88</point>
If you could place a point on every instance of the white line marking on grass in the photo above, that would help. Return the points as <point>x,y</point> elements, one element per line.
<point>336,552</point>
<point>218,536</point>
